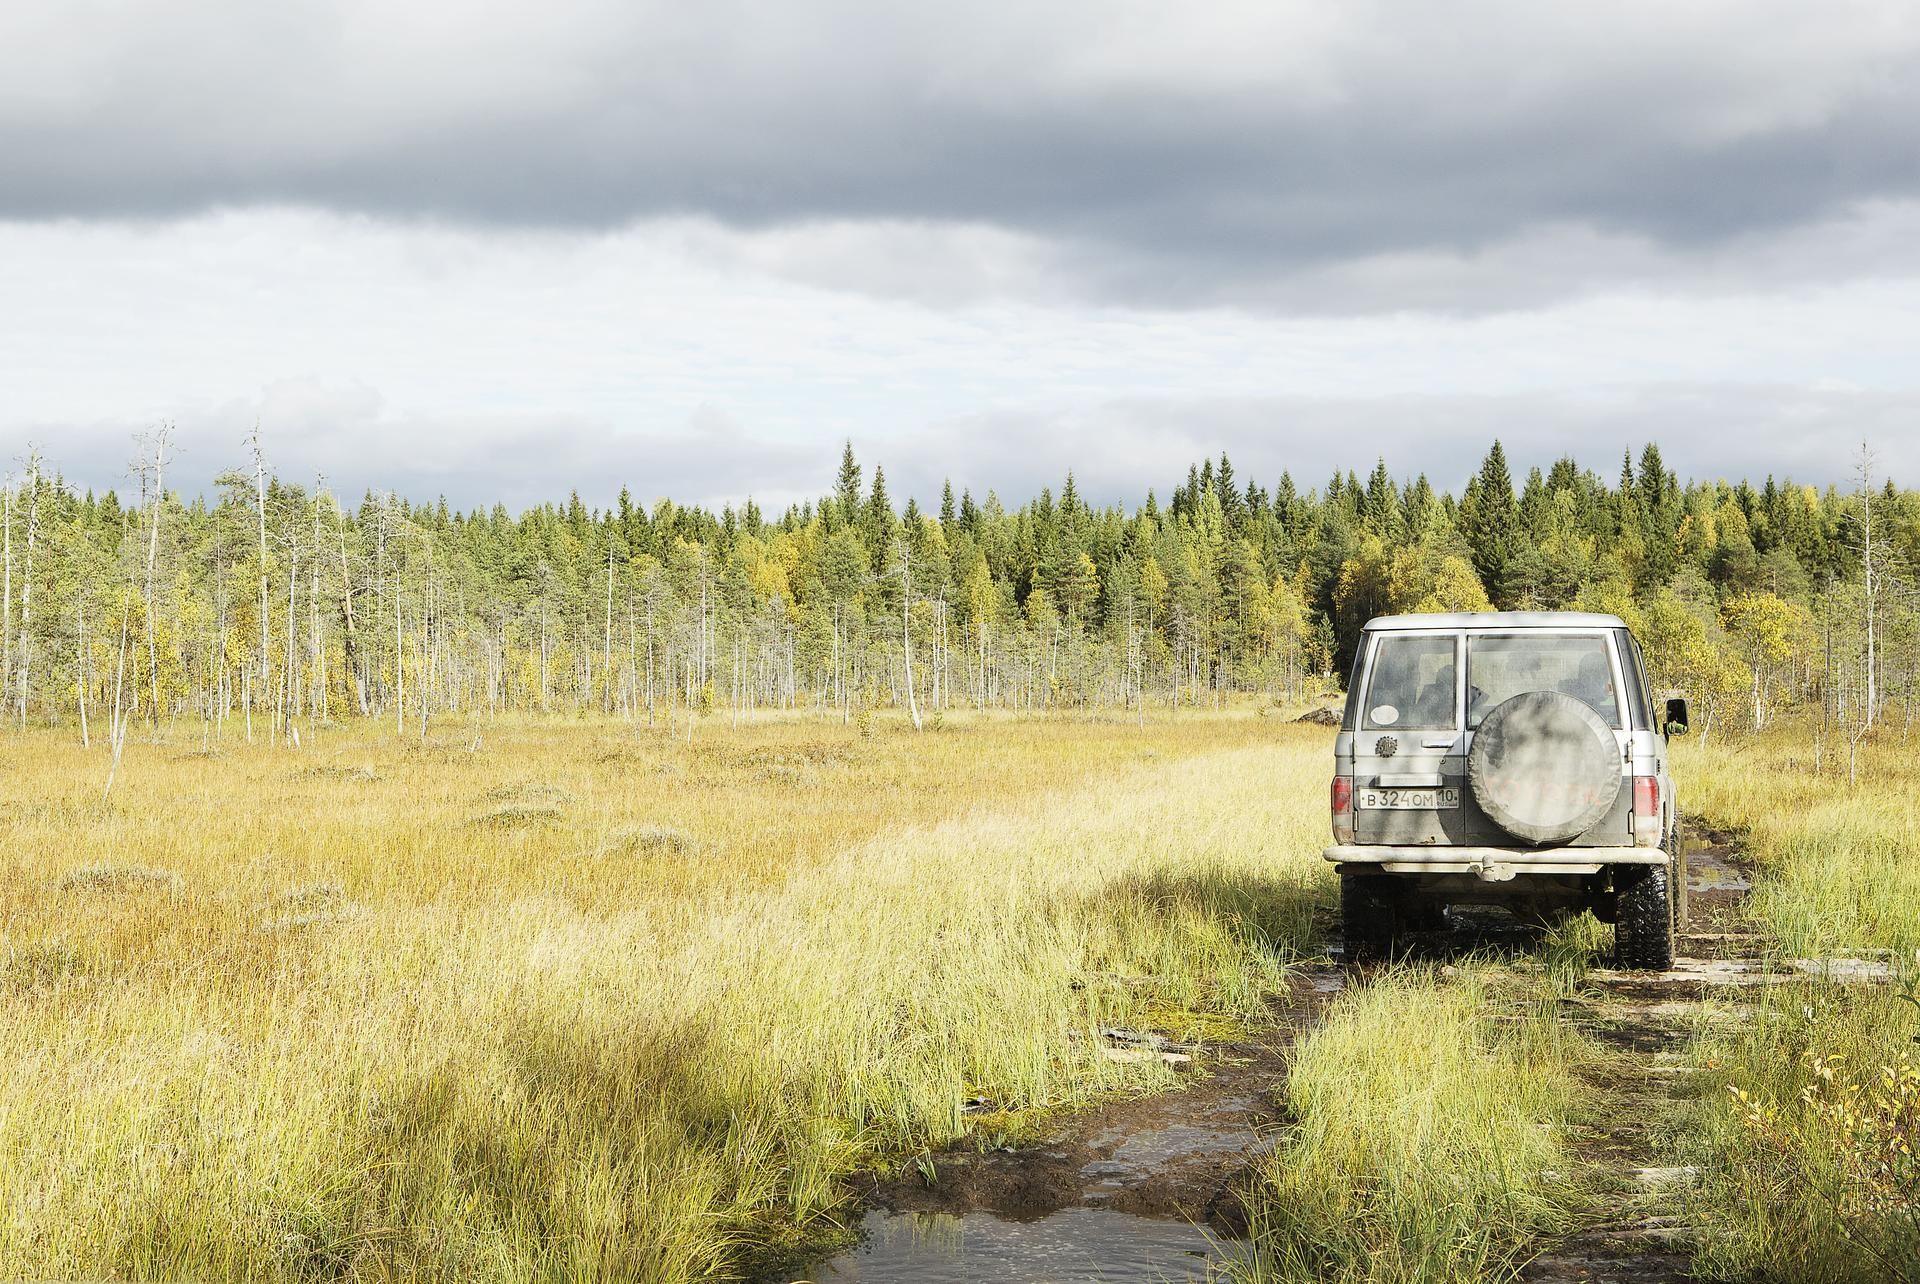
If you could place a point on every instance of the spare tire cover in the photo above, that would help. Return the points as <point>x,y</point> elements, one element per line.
<point>1544,767</point>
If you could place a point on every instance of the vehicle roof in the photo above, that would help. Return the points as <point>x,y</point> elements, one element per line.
<point>1497,620</point>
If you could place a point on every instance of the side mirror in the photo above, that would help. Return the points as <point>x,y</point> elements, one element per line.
<point>1676,721</point>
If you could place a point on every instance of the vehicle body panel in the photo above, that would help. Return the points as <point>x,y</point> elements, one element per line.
<point>1454,835</point>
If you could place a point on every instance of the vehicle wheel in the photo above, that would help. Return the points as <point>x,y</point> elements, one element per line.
<point>1643,927</point>
<point>1369,916</point>
<point>1677,878</point>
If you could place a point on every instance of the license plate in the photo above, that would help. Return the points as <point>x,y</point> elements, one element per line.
<point>1406,799</point>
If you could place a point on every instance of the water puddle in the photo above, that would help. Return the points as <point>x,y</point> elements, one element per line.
<point>1067,1247</point>
<point>1703,877</point>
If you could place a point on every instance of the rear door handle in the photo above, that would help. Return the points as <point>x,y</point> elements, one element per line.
<point>1437,742</point>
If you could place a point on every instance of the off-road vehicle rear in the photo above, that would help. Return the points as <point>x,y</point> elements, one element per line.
<point>1505,758</point>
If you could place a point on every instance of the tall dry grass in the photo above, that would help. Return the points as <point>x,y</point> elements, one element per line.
<point>1796,1190</point>
<point>1838,865</point>
<point>584,1004</point>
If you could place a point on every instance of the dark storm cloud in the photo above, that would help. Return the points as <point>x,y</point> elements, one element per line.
<point>1209,156</point>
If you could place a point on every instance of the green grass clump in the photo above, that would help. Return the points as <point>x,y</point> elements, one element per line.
<point>1428,1138</point>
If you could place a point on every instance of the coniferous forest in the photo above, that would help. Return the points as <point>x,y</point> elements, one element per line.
<point>280,605</point>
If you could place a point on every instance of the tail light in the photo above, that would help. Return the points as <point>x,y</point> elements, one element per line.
<point>1646,808</point>
<point>1343,809</point>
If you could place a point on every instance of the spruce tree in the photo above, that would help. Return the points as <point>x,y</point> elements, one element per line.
<point>1488,520</point>
<point>878,523</point>
<point>846,491</point>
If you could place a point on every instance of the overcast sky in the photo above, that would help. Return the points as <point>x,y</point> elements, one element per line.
<point>503,251</point>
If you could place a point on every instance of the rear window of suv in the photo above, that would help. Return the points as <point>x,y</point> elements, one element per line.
<point>1411,683</point>
<point>1501,666</point>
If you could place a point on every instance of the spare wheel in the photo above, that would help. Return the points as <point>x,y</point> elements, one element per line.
<point>1544,767</point>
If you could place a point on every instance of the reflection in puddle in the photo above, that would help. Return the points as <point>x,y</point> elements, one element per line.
<point>1144,1152</point>
<point>1717,878</point>
<point>1707,871</point>
<point>1072,1245</point>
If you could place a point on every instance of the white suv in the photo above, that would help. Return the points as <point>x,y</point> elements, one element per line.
<point>1514,758</point>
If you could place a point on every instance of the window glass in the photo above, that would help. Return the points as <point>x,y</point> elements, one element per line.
<point>1352,709</point>
<point>1411,683</point>
<point>1501,667</point>
<point>1639,699</point>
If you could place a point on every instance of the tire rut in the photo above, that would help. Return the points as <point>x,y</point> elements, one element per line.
<point>1649,1024</point>
<point>1184,1155</point>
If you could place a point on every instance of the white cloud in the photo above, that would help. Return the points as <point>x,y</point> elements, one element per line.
<point>519,366</point>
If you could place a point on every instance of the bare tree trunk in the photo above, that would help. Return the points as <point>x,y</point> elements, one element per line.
<point>160,442</point>
<point>6,593</point>
<point>118,726</point>
<point>607,661</point>
<point>906,633</point>
<point>26,592</point>
<point>293,578</point>
<point>80,623</point>
<point>399,671</point>
<point>429,667</point>
<point>631,681</point>
<point>316,650</point>
<point>260,509</point>
<point>1864,471</point>
<point>346,604</point>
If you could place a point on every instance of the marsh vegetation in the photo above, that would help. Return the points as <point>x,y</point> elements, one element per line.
<point>321,1013</point>
<point>584,1003</point>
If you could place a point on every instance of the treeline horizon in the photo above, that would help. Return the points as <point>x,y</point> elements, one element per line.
<point>269,598</point>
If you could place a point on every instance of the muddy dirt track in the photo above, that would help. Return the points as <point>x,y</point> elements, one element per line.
<point>1186,1155</point>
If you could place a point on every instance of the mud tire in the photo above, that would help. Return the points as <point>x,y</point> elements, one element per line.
<point>1544,767</point>
<point>1677,879</point>
<point>1369,916</point>
<point>1643,925</point>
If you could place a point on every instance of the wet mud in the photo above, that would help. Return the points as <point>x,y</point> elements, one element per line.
<point>1073,1244</point>
<point>1183,1155</point>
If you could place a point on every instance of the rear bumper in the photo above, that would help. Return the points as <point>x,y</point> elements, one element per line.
<point>1493,864</point>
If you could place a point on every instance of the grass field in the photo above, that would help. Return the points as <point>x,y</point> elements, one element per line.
<point>561,1000</point>
<point>1812,1170</point>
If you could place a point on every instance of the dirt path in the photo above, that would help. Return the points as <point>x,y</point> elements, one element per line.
<point>1181,1155</point>
<point>1649,1025</point>
<point>1186,1155</point>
